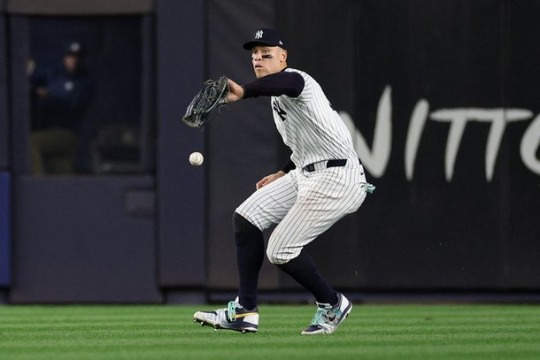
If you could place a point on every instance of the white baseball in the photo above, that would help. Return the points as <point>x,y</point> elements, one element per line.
<point>196,158</point>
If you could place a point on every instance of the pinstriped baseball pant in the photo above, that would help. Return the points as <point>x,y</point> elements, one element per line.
<point>304,205</point>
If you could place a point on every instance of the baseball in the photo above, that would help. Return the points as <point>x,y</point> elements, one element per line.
<point>196,158</point>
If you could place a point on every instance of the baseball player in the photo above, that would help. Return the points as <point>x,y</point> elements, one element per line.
<point>322,182</point>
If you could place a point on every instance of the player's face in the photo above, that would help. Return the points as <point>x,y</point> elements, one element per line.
<point>268,60</point>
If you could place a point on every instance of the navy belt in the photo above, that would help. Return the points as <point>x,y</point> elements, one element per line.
<point>329,164</point>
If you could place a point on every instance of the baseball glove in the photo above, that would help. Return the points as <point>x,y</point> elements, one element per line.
<point>209,98</point>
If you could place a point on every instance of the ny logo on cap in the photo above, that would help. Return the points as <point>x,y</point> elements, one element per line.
<point>75,47</point>
<point>259,34</point>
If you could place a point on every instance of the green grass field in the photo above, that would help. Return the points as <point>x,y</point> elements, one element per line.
<point>371,332</point>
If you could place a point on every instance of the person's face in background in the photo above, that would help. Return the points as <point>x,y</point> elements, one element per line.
<point>71,63</point>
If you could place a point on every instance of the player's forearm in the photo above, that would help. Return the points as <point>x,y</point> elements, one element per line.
<point>282,83</point>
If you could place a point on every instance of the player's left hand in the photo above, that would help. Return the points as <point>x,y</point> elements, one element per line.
<point>268,179</point>
<point>236,92</point>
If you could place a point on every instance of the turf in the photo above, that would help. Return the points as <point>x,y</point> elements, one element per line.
<point>371,332</point>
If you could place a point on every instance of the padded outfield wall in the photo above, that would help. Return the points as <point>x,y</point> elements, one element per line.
<point>441,98</point>
<point>442,101</point>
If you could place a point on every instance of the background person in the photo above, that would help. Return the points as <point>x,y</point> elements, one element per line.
<point>60,97</point>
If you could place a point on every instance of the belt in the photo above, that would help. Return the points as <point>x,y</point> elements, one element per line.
<point>325,164</point>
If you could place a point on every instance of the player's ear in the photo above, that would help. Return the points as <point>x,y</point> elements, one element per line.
<point>283,55</point>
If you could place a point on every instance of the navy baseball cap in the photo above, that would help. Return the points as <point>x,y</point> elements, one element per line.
<point>74,49</point>
<point>265,37</point>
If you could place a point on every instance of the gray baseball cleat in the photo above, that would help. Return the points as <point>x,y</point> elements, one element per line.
<point>234,317</point>
<point>328,317</point>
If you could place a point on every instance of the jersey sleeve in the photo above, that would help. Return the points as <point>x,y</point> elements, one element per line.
<point>282,83</point>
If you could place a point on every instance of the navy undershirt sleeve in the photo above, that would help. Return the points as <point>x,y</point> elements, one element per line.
<point>288,166</point>
<point>283,83</point>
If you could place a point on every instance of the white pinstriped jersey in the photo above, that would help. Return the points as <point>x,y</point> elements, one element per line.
<point>310,127</point>
<point>305,203</point>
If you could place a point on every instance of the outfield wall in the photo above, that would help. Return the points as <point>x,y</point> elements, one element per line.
<point>440,97</point>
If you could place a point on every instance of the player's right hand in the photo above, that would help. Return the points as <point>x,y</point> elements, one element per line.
<point>268,179</point>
